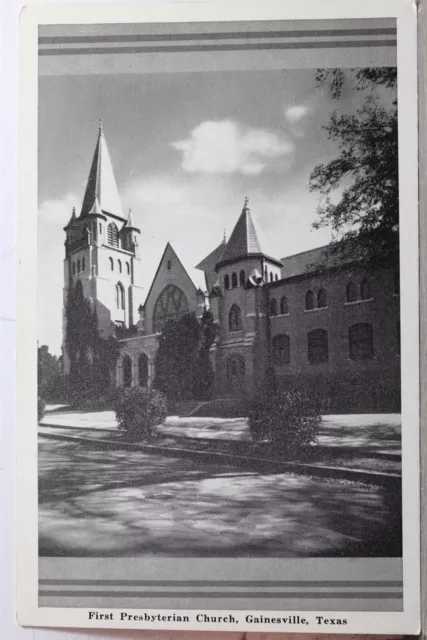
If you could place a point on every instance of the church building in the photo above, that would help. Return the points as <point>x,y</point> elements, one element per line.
<point>336,331</point>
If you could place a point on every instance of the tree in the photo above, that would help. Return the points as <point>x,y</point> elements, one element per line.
<point>204,378</point>
<point>49,374</point>
<point>365,217</point>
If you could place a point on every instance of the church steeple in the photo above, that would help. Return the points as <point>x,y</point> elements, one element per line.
<point>243,240</point>
<point>101,190</point>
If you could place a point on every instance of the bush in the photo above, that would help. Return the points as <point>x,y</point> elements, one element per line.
<point>41,406</point>
<point>139,410</point>
<point>287,419</point>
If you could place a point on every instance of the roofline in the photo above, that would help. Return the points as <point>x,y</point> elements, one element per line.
<point>311,273</point>
<point>300,253</point>
<point>168,244</point>
<point>248,256</point>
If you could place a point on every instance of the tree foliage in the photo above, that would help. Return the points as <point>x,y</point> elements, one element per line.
<point>359,197</point>
<point>49,375</point>
<point>139,410</point>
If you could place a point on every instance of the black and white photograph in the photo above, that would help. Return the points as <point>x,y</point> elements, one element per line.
<point>219,335</point>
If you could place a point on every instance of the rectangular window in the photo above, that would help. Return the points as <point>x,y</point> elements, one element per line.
<point>361,343</point>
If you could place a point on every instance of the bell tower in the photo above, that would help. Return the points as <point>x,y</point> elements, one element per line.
<point>101,252</point>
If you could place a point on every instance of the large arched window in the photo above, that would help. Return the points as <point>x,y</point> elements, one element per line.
<point>235,318</point>
<point>321,298</point>
<point>284,307</point>
<point>170,305</point>
<point>111,261</point>
<point>242,278</point>
<point>281,349</point>
<point>127,371</point>
<point>365,289</point>
<point>233,280</point>
<point>143,370</point>
<point>113,235</point>
<point>318,348</point>
<point>226,282</point>
<point>273,307</point>
<point>361,341</point>
<point>351,292</point>
<point>309,300</point>
<point>120,296</point>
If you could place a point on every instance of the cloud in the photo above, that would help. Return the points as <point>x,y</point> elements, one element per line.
<point>58,211</point>
<point>226,147</point>
<point>296,113</point>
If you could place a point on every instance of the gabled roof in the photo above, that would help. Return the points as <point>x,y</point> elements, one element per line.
<point>243,240</point>
<point>208,263</point>
<point>311,260</point>
<point>169,252</point>
<point>101,183</point>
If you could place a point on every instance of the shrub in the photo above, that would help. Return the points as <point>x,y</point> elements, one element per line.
<point>41,406</point>
<point>139,410</point>
<point>287,419</point>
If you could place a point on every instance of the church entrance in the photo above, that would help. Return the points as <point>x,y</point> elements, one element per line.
<point>235,368</point>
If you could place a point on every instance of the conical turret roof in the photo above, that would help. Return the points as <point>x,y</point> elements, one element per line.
<point>243,240</point>
<point>101,183</point>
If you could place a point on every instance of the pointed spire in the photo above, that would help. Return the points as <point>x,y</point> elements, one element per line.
<point>101,183</point>
<point>128,223</point>
<point>72,219</point>
<point>224,238</point>
<point>243,240</point>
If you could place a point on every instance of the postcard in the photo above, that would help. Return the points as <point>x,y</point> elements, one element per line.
<point>218,392</point>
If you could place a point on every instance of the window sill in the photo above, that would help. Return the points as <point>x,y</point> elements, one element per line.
<point>315,309</point>
<point>280,315</point>
<point>235,331</point>
<point>348,304</point>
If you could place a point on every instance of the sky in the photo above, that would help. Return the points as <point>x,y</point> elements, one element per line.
<point>186,149</point>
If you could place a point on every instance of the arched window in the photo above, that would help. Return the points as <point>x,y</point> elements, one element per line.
<point>265,274</point>
<point>361,342</point>
<point>242,278</point>
<point>365,289</point>
<point>235,318</point>
<point>271,276</point>
<point>226,282</point>
<point>143,370</point>
<point>74,268</point>
<point>78,266</point>
<point>351,292</point>
<point>281,349</point>
<point>169,265</point>
<point>309,300</point>
<point>119,264</point>
<point>100,228</point>
<point>284,307</point>
<point>120,296</point>
<point>113,235</point>
<point>170,305</point>
<point>318,349</point>
<point>127,371</point>
<point>111,261</point>
<point>321,298</point>
<point>83,264</point>
<point>273,307</point>
<point>233,280</point>
<point>127,268</point>
<point>276,277</point>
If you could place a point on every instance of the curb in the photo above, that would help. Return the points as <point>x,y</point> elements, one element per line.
<point>387,480</point>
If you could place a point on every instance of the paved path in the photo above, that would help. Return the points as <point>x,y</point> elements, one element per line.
<point>128,503</point>
<point>375,431</point>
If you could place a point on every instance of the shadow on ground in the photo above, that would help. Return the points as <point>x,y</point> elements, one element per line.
<point>117,503</point>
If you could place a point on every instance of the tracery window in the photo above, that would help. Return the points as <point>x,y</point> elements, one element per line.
<point>113,235</point>
<point>235,318</point>
<point>170,305</point>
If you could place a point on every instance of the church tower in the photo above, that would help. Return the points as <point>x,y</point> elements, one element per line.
<point>101,251</point>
